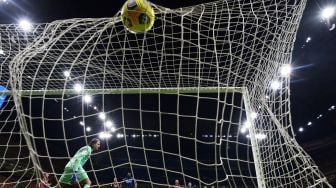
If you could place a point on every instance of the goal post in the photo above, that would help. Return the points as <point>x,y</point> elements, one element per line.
<point>254,142</point>
<point>161,91</point>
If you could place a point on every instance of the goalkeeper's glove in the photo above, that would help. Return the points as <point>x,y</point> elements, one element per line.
<point>73,179</point>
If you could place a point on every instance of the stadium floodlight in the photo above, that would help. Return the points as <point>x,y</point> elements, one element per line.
<point>308,39</point>
<point>87,98</point>
<point>301,129</point>
<point>78,87</point>
<point>275,85</point>
<point>113,129</point>
<point>25,25</point>
<point>254,115</point>
<point>102,116</point>
<point>328,12</point>
<point>88,129</point>
<point>108,124</point>
<point>309,123</point>
<point>66,73</point>
<point>245,127</point>
<point>243,130</point>
<point>286,70</point>
<point>105,135</point>
<point>260,136</point>
<point>81,123</point>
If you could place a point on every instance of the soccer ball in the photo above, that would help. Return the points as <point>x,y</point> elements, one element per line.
<point>137,16</point>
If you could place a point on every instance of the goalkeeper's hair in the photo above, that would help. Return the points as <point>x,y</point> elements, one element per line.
<point>93,141</point>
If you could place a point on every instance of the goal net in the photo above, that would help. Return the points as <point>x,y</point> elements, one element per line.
<point>199,98</point>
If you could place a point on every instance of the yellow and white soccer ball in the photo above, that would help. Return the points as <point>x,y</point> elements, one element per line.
<point>137,15</point>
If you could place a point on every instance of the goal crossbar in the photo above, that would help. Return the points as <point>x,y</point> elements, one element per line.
<point>128,91</point>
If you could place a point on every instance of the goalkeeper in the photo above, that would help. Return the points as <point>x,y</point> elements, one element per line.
<point>74,173</point>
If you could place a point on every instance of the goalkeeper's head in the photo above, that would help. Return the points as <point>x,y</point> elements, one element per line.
<point>95,144</point>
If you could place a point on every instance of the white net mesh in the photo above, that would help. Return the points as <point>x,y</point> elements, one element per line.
<point>178,95</point>
<point>16,166</point>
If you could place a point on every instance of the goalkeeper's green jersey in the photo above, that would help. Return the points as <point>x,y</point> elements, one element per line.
<point>80,158</point>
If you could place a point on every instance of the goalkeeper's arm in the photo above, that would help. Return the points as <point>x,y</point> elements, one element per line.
<point>78,157</point>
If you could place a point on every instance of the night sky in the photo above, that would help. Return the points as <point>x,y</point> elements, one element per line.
<point>313,87</point>
<point>313,81</point>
